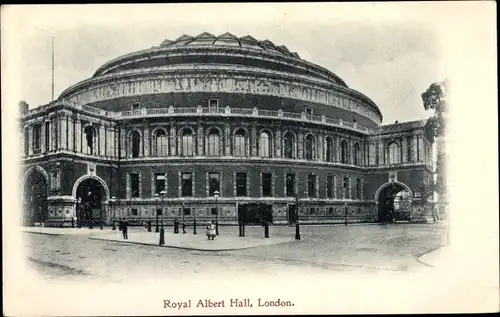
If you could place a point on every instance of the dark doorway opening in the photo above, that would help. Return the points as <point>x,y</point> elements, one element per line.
<point>394,204</point>
<point>254,214</point>
<point>35,199</point>
<point>89,195</point>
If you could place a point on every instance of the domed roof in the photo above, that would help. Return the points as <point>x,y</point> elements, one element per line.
<point>228,39</point>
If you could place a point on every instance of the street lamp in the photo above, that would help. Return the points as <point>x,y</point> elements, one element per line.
<point>157,197</point>
<point>162,230</point>
<point>297,227</point>
<point>216,195</point>
<point>346,213</point>
<point>78,212</point>
<point>113,200</point>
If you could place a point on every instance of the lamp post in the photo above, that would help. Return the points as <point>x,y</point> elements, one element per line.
<point>297,227</point>
<point>78,212</point>
<point>216,195</point>
<point>113,200</point>
<point>157,229</point>
<point>183,222</point>
<point>346,213</point>
<point>162,230</point>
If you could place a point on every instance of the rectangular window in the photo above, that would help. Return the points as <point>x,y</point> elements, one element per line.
<point>26,142</point>
<point>134,186</point>
<point>358,188</point>
<point>312,210</point>
<point>213,211</point>
<point>37,133</point>
<point>159,183</point>
<point>418,148</point>
<point>134,212</point>
<point>213,183</point>
<point>241,184</point>
<point>267,184</point>
<point>345,187</point>
<point>135,106</point>
<point>159,212</point>
<point>329,187</point>
<point>187,211</point>
<point>290,185</point>
<point>47,136</point>
<point>187,184</point>
<point>311,185</point>
<point>330,211</point>
<point>213,103</point>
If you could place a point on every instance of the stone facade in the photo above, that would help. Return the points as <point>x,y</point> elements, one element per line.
<point>330,140</point>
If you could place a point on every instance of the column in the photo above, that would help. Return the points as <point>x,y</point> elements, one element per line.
<point>404,145</point>
<point>381,152</point>
<point>146,141</point>
<point>20,136</point>
<point>336,147</point>
<point>300,145</point>
<point>199,136</point>
<point>42,136</point>
<point>101,132</point>
<point>30,140</point>
<point>62,132</point>
<point>414,148</point>
<point>173,138</point>
<point>253,140</point>
<point>123,144</point>
<point>320,152</point>
<point>227,139</point>
<point>277,143</point>
<point>78,136</point>
<point>350,151</point>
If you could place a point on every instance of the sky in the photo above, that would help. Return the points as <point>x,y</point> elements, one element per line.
<point>389,53</point>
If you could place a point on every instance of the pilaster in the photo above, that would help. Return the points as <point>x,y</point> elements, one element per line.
<point>253,139</point>
<point>414,148</point>
<point>146,140</point>
<point>404,146</point>
<point>300,145</point>
<point>381,152</point>
<point>200,139</point>
<point>173,138</point>
<point>277,143</point>
<point>30,140</point>
<point>320,148</point>
<point>78,135</point>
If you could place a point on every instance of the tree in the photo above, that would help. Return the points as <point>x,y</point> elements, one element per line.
<point>434,98</point>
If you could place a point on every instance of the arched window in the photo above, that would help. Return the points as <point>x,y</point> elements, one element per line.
<point>264,144</point>
<point>309,147</point>
<point>288,144</point>
<point>187,142</point>
<point>343,152</point>
<point>213,142</point>
<point>135,138</point>
<point>394,153</point>
<point>239,143</point>
<point>329,149</point>
<point>357,154</point>
<point>160,143</point>
<point>90,136</point>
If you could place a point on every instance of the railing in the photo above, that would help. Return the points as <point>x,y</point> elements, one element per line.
<point>226,111</point>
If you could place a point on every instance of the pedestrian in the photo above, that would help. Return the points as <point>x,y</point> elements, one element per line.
<point>125,230</point>
<point>183,227</point>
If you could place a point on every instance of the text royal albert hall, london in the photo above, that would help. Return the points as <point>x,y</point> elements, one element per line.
<point>224,127</point>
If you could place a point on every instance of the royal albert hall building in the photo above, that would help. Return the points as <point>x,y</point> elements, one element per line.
<point>163,130</point>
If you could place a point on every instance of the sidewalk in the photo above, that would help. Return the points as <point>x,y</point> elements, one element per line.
<point>437,258</point>
<point>189,241</point>
<point>224,242</point>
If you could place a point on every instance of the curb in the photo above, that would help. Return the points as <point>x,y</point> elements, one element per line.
<point>180,248</point>
<point>419,259</point>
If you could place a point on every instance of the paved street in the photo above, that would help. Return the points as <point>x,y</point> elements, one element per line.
<point>357,248</point>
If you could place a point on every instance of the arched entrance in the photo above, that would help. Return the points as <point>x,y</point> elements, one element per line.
<point>394,202</point>
<point>35,198</point>
<point>90,195</point>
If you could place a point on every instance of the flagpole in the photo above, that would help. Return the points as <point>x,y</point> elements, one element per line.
<point>52,69</point>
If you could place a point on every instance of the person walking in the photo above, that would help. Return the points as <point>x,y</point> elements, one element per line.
<point>125,230</point>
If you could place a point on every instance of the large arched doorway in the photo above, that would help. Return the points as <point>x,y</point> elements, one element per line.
<point>35,198</point>
<point>90,195</point>
<point>394,202</point>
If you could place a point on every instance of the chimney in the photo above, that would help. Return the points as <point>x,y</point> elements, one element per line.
<point>23,107</point>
